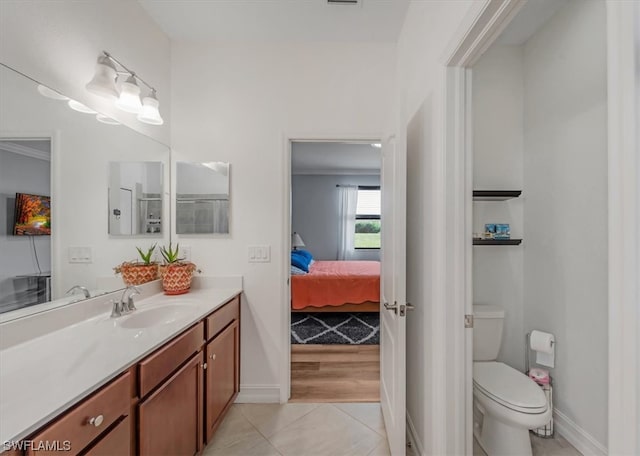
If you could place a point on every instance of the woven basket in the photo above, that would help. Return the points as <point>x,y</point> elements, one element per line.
<point>137,273</point>
<point>176,277</point>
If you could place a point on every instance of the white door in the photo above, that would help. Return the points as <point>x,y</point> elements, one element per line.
<point>393,295</point>
<point>126,211</point>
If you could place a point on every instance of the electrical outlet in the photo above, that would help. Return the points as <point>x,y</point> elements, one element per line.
<point>80,255</point>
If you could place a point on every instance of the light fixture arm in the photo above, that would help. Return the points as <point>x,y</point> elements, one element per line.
<point>127,70</point>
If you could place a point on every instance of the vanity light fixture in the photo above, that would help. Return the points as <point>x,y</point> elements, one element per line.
<point>127,98</point>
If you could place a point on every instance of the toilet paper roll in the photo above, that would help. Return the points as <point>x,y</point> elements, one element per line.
<point>544,345</point>
<point>541,341</point>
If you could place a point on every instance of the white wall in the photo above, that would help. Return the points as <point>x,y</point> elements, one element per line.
<point>58,42</point>
<point>238,103</point>
<point>565,217</point>
<point>315,213</point>
<point>498,143</point>
<point>426,35</point>
<point>20,174</point>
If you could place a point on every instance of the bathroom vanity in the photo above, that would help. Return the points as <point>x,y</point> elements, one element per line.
<point>156,381</point>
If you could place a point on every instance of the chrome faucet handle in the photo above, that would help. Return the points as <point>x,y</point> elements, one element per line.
<point>116,310</point>
<point>78,287</point>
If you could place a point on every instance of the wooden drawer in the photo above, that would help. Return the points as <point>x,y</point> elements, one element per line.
<point>111,403</point>
<point>116,442</point>
<point>221,318</point>
<point>154,369</point>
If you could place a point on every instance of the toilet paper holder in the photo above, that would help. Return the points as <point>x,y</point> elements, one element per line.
<point>548,430</point>
<point>527,348</point>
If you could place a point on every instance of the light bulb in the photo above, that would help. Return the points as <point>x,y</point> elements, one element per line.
<point>104,79</point>
<point>150,113</point>
<point>129,99</point>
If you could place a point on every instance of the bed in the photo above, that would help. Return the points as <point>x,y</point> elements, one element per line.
<point>337,286</point>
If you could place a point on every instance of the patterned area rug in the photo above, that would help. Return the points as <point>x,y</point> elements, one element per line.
<point>335,328</point>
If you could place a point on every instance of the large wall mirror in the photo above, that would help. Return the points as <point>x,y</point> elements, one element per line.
<point>55,166</point>
<point>202,198</point>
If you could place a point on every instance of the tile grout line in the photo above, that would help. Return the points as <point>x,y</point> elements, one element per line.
<point>283,428</point>
<point>256,429</point>
<point>361,422</point>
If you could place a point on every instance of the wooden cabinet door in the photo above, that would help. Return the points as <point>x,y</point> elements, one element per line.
<point>170,419</point>
<point>222,375</point>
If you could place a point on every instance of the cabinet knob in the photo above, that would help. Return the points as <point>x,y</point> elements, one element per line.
<point>213,357</point>
<point>204,366</point>
<point>96,420</point>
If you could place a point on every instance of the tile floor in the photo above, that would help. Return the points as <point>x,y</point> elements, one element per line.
<point>556,446</point>
<point>303,429</point>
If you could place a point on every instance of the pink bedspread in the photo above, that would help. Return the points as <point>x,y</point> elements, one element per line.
<point>334,283</point>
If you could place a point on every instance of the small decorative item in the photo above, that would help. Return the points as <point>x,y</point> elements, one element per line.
<point>502,231</point>
<point>139,272</point>
<point>489,230</point>
<point>176,273</point>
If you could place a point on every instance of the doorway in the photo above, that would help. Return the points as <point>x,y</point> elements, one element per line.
<point>335,294</point>
<point>25,222</point>
<point>482,261</point>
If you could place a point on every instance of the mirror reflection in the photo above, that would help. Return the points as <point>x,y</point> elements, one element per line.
<point>135,198</point>
<point>202,198</point>
<point>51,155</point>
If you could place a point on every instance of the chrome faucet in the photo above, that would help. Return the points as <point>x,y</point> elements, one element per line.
<point>129,306</point>
<point>121,306</point>
<point>78,287</point>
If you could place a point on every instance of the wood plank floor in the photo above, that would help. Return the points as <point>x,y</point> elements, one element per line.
<point>335,373</point>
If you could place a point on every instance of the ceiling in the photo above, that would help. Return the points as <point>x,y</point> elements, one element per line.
<point>533,15</point>
<point>278,20</point>
<point>334,158</point>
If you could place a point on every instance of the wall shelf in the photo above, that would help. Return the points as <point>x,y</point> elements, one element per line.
<point>497,241</point>
<point>495,195</point>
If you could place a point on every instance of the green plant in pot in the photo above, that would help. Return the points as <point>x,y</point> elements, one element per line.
<point>176,272</point>
<point>140,271</point>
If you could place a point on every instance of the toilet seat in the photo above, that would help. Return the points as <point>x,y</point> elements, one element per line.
<point>508,387</point>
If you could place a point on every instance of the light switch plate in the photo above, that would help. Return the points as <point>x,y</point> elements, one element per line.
<point>259,253</point>
<point>80,254</point>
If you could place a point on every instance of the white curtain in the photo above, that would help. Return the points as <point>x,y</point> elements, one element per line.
<point>348,201</point>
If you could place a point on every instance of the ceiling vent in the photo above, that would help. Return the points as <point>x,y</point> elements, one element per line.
<point>344,2</point>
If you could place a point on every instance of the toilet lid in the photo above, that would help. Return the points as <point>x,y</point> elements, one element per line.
<point>509,387</point>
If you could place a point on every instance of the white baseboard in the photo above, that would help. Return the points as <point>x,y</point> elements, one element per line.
<point>258,394</point>
<point>412,436</point>
<point>584,442</point>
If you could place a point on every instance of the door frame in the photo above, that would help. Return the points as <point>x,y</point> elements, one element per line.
<point>483,24</point>
<point>285,265</point>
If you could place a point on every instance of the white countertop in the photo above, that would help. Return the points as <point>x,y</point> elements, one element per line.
<point>42,377</point>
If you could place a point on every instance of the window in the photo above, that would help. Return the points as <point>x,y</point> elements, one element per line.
<point>367,234</point>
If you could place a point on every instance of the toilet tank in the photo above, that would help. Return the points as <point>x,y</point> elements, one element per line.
<point>487,331</point>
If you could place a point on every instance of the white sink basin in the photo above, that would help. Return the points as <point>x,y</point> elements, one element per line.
<point>156,316</point>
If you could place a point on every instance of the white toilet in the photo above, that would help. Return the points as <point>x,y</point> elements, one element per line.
<point>506,402</point>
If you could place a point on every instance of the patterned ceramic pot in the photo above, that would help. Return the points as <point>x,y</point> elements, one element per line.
<point>176,277</point>
<point>137,273</point>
